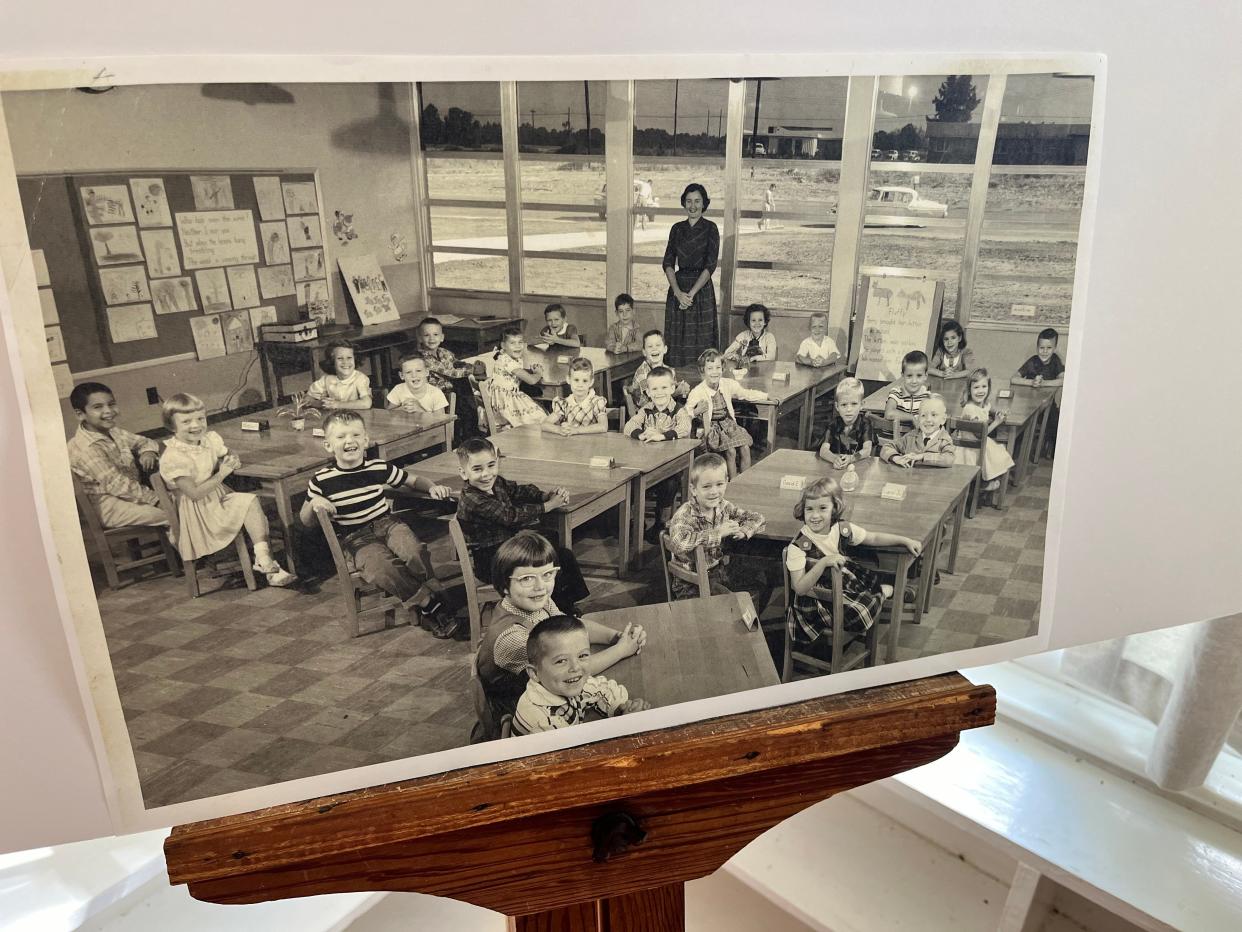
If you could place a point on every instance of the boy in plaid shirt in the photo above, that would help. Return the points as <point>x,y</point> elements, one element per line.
<point>660,418</point>
<point>584,411</point>
<point>449,375</point>
<point>492,509</point>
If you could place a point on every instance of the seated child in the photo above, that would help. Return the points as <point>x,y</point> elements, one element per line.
<point>660,418</point>
<point>912,392</point>
<point>826,540</point>
<point>818,349</point>
<point>416,393</point>
<point>448,375</point>
<point>102,456</point>
<point>712,400</point>
<point>952,359</point>
<point>380,546</point>
<point>654,350</point>
<point>196,462</point>
<point>849,436</point>
<point>492,509</point>
<point>560,691</point>
<point>754,342</point>
<point>558,331</point>
<point>583,412</point>
<point>523,572</point>
<point>343,384</point>
<point>925,444</point>
<point>511,404</point>
<point>710,520</point>
<point>623,336</point>
<point>1045,370</point>
<point>977,406</point>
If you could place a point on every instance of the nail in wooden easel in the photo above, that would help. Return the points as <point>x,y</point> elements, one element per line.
<point>600,838</point>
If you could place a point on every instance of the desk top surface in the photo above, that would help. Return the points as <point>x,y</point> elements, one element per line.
<point>557,373</point>
<point>930,492</point>
<point>529,442</point>
<point>696,648</point>
<point>761,376</point>
<point>583,483</point>
<point>281,451</point>
<point>1026,402</point>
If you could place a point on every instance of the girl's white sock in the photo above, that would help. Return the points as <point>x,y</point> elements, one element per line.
<point>262,553</point>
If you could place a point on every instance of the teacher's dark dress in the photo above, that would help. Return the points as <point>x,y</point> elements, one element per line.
<point>690,250</point>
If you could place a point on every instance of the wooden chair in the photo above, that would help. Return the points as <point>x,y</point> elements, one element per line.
<point>970,435</point>
<point>477,596</point>
<point>671,569</point>
<point>136,538</point>
<point>889,430</point>
<point>355,591</point>
<point>849,650</point>
<point>616,418</point>
<point>495,423</point>
<point>169,504</point>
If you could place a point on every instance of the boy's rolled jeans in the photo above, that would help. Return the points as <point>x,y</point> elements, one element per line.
<point>388,555</point>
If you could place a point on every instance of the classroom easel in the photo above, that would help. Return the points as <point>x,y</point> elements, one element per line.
<point>599,838</point>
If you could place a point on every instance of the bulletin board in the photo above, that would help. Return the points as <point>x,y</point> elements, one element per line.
<point>895,315</point>
<point>147,264</point>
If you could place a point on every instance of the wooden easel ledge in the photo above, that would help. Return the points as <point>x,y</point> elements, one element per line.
<point>588,837</point>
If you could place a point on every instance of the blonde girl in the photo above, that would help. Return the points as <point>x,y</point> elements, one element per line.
<point>196,462</point>
<point>825,540</point>
<point>343,384</point>
<point>509,402</point>
<point>977,406</point>
<point>712,400</point>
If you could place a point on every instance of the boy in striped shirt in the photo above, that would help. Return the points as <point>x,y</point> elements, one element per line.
<point>383,549</point>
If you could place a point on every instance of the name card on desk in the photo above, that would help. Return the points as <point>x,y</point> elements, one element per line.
<point>780,376</point>
<point>749,618</point>
<point>893,492</point>
<point>792,483</point>
<point>601,462</point>
<point>1003,394</point>
<point>316,431</point>
<point>255,425</point>
<point>562,360</point>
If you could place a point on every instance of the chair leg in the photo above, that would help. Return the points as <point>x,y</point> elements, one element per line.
<point>109,565</point>
<point>170,555</point>
<point>191,577</point>
<point>976,489</point>
<point>349,593</point>
<point>243,557</point>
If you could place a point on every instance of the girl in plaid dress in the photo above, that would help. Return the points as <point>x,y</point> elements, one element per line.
<point>712,400</point>
<point>825,541</point>
<point>583,412</point>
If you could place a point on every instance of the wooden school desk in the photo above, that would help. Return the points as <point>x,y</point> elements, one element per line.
<point>799,392</point>
<point>371,343</point>
<point>1023,411</point>
<point>468,336</point>
<point>591,492</point>
<point>610,368</point>
<point>696,648</point>
<point>283,460</point>
<point>932,494</point>
<point>652,462</point>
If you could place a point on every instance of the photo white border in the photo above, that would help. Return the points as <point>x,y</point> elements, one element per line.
<point>42,421</point>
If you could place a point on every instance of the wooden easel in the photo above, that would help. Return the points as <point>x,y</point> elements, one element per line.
<point>600,838</point>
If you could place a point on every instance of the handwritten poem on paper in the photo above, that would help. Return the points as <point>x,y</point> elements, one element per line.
<point>897,320</point>
<point>213,238</point>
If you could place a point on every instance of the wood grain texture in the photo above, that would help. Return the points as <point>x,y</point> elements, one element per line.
<point>515,836</point>
<point>660,909</point>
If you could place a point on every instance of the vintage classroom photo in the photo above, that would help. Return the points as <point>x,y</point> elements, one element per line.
<point>401,418</point>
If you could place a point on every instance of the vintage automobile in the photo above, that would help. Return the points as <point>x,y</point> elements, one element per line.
<point>911,155</point>
<point>641,199</point>
<point>905,205</point>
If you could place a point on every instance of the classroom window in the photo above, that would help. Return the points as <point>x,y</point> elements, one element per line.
<point>791,147</point>
<point>1025,272</point>
<point>461,143</point>
<point>562,172</point>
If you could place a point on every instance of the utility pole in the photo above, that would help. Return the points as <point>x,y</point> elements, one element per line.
<point>754,131</point>
<point>676,90</point>
<point>586,93</point>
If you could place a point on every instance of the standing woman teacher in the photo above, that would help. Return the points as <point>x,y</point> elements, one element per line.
<point>689,261</point>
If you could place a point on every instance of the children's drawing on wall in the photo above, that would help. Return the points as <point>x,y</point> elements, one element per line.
<point>116,245</point>
<point>343,227</point>
<point>173,295</point>
<point>55,344</point>
<point>397,244</point>
<point>314,297</point>
<point>124,286</point>
<point>106,204</point>
<point>276,282</point>
<point>212,192</point>
<point>238,337</point>
<point>368,289</point>
<point>213,288</point>
<point>130,323</point>
<point>243,287</point>
<point>304,231</point>
<point>150,202</point>
<point>308,264</point>
<point>300,197</point>
<point>275,243</point>
<point>161,247</point>
<point>259,317</point>
<point>208,337</point>
<point>271,202</point>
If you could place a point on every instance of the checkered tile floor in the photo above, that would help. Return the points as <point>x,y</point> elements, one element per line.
<point>240,689</point>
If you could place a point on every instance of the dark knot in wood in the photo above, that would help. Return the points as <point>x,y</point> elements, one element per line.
<point>614,834</point>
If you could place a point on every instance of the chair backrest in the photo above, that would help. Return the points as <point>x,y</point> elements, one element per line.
<point>836,597</point>
<point>890,430</point>
<point>966,432</point>
<point>615,418</point>
<point>697,578</point>
<point>168,501</point>
<point>495,423</point>
<point>90,514</point>
<point>334,545</point>
<point>470,581</point>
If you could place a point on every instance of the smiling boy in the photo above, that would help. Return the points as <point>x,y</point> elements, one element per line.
<point>928,444</point>
<point>654,351</point>
<point>660,418</point>
<point>106,457</point>
<point>382,547</point>
<point>907,397</point>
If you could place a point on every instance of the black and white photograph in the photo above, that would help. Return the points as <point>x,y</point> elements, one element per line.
<point>677,389</point>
